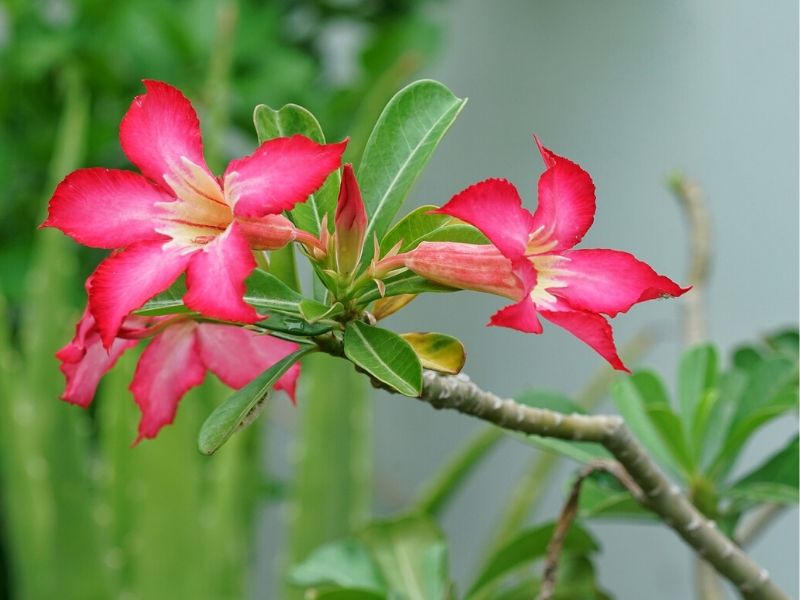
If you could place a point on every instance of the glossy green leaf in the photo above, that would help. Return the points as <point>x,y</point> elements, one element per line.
<point>419,225</point>
<point>403,140</point>
<point>232,414</point>
<point>438,351</point>
<point>776,480</point>
<point>412,556</point>
<point>265,292</point>
<point>289,120</point>
<point>344,563</point>
<point>314,311</point>
<point>402,283</point>
<point>528,546</point>
<point>293,328</point>
<point>384,355</point>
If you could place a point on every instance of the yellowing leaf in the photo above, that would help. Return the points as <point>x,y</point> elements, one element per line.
<point>390,305</point>
<point>438,351</point>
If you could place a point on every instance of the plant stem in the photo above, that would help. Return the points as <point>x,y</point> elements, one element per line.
<point>660,495</point>
<point>694,207</point>
<point>570,511</point>
<point>755,526</point>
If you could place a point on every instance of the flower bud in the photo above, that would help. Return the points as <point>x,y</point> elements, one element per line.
<point>350,224</point>
<point>466,266</point>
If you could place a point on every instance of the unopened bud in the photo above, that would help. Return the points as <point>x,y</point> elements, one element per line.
<point>350,224</point>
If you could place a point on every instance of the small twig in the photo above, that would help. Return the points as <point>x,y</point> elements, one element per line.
<point>570,511</point>
<point>753,527</point>
<point>694,207</point>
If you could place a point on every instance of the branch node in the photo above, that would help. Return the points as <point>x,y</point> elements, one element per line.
<point>694,523</point>
<point>728,550</point>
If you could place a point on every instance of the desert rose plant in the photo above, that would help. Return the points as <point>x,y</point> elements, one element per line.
<point>192,275</point>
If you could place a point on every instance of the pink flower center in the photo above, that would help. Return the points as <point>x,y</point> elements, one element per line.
<point>200,212</point>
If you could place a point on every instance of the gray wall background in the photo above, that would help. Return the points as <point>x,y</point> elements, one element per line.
<point>631,91</point>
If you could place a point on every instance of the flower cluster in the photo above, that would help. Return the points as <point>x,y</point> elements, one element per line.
<point>177,218</point>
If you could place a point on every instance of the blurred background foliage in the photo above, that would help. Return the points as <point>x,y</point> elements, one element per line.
<point>83,516</point>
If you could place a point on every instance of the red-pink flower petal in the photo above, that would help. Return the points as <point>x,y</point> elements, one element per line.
<point>237,356</point>
<point>520,316</point>
<point>168,368</point>
<point>495,208</point>
<point>84,361</point>
<point>106,208</point>
<point>590,328</point>
<point>215,278</point>
<point>159,129</point>
<point>566,203</point>
<point>611,281</point>
<point>126,280</point>
<point>279,174</point>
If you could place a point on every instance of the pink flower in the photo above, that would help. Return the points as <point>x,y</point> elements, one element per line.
<point>176,360</point>
<point>176,216</point>
<point>531,260</point>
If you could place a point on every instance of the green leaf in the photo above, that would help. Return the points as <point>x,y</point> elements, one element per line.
<point>603,496</point>
<point>697,382</point>
<point>345,563</point>
<point>438,351</point>
<point>641,400</point>
<point>765,392</point>
<point>402,283</point>
<point>384,355</point>
<point>785,342</point>
<point>289,120</point>
<point>412,556</point>
<point>265,292</point>
<point>776,480</point>
<point>405,136</point>
<point>419,225</point>
<point>231,415</point>
<point>528,546</point>
<point>348,594</point>
<point>293,328</point>
<point>314,311</point>
<point>168,302</point>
